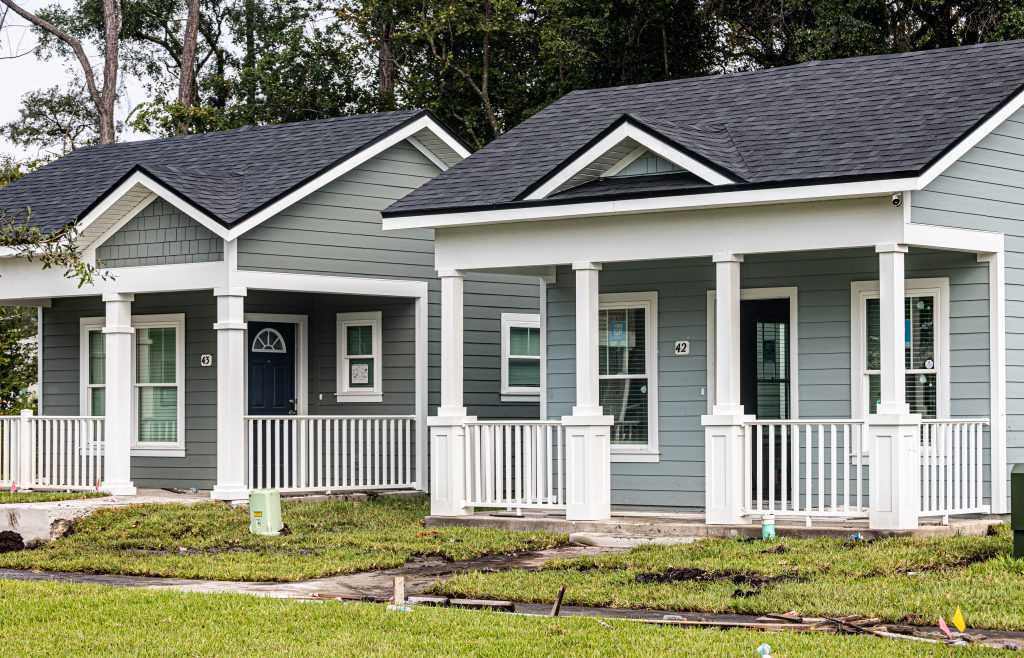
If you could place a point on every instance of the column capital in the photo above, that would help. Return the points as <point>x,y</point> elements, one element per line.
<point>727,257</point>
<point>449,274</point>
<point>118,297</point>
<point>231,291</point>
<point>889,248</point>
<point>586,265</point>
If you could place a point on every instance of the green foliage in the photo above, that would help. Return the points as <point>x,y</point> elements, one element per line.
<point>6,497</point>
<point>17,359</point>
<point>53,121</point>
<point>896,579</point>
<point>327,538</point>
<point>50,248</point>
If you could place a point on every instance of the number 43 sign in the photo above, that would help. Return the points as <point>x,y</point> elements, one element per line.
<point>682,348</point>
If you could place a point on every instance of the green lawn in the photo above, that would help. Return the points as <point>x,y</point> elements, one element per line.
<point>212,541</point>
<point>910,580</point>
<point>45,496</point>
<point>51,619</point>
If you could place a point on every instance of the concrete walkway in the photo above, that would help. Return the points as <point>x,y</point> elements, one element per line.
<point>419,574</point>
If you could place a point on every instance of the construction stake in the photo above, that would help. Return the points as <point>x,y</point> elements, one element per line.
<point>399,590</point>
<point>556,608</point>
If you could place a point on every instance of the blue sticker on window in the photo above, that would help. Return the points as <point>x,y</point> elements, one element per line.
<point>617,336</point>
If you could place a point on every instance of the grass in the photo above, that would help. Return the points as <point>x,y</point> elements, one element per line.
<point>46,496</point>
<point>51,619</point>
<point>909,580</point>
<point>212,541</point>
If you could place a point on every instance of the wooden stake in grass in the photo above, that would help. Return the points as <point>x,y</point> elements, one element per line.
<point>558,602</point>
<point>399,590</point>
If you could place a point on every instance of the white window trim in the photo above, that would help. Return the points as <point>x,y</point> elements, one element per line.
<point>517,393</point>
<point>789,292</point>
<point>860,291</point>
<point>346,393</point>
<point>176,320</point>
<point>649,302</point>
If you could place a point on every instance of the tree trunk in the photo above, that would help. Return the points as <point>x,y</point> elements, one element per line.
<point>386,65</point>
<point>186,83</point>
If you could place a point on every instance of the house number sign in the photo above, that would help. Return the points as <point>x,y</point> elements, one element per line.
<point>206,360</point>
<point>682,348</point>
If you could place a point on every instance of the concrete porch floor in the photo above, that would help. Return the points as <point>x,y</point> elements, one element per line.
<point>626,528</point>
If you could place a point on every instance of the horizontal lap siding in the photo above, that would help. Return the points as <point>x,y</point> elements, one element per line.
<point>61,381</point>
<point>337,231</point>
<point>985,190</point>
<point>160,235</point>
<point>823,280</point>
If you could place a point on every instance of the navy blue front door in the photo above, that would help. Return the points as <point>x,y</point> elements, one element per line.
<point>271,369</point>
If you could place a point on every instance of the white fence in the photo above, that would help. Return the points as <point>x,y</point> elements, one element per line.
<point>952,466</point>
<point>515,465</point>
<point>51,452</point>
<point>812,468</point>
<point>311,453</point>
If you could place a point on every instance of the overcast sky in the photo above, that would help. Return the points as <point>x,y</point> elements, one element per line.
<point>24,74</point>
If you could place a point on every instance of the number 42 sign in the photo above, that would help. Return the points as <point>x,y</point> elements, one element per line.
<point>682,348</point>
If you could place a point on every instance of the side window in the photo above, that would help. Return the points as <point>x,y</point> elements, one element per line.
<point>520,354</point>
<point>359,357</point>
<point>922,378</point>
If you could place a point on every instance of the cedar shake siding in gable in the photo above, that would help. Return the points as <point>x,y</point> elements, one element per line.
<point>160,235</point>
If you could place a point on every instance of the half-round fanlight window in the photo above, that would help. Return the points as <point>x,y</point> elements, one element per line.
<point>269,341</point>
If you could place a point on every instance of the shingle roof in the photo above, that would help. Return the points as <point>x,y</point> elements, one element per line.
<point>865,117</point>
<point>228,174</point>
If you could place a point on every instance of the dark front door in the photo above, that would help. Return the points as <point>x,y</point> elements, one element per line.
<point>765,388</point>
<point>271,393</point>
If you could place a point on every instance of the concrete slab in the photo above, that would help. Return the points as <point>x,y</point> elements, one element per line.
<point>691,526</point>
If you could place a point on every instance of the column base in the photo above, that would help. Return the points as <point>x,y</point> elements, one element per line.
<point>230,492</point>
<point>588,481</point>
<point>448,465</point>
<point>118,488</point>
<point>894,488</point>
<point>724,475</point>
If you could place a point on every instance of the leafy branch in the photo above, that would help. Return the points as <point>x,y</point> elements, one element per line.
<point>57,248</point>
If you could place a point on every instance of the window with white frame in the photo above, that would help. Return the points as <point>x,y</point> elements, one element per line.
<point>627,342</point>
<point>520,355</point>
<point>159,379</point>
<point>925,337</point>
<point>359,357</point>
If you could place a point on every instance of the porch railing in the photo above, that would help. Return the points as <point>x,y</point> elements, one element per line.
<point>952,466</point>
<point>337,453</point>
<point>515,465</point>
<point>812,468</point>
<point>51,452</point>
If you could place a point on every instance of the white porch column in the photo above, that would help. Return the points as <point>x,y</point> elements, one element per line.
<point>448,427</point>
<point>894,482</point>
<point>588,430</point>
<point>997,377</point>
<point>724,433</point>
<point>117,441</point>
<point>231,395</point>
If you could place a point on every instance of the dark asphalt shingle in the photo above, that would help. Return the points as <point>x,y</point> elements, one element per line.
<point>862,117</point>
<point>229,174</point>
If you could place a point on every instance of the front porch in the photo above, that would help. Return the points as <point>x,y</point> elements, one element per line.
<point>654,406</point>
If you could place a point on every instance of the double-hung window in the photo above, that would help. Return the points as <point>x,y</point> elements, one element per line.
<point>359,357</point>
<point>158,411</point>
<point>627,344</point>
<point>520,356</point>
<point>925,336</point>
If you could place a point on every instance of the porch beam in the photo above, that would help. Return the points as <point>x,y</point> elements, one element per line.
<point>118,337</point>
<point>231,395</point>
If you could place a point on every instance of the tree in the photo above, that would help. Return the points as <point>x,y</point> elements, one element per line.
<point>54,122</point>
<point>102,94</point>
<point>17,359</point>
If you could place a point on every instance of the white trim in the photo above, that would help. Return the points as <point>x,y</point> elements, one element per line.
<point>89,253</point>
<point>997,377</point>
<point>85,327</point>
<point>427,153</point>
<point>39,360</point>
<point>345,392</point>
<point>648,300</point>
<point>518,320</point>
<point>177,321</point>
<point>861,291</point>
<point>301,323</point>
<point>792,293</point>
<point>542,305</point>
<point>367,153</point>
<point>422,371</point>
<point>627,160</point>
<point>952,239</point>
<point>628,131</point>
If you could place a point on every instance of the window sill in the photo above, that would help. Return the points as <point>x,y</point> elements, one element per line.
<point>635,457</point>
<point>520,397</point>
<point>359,397</point>
<point>176,451</point>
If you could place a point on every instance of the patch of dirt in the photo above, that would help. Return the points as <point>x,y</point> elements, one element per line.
<point>775,550</point>
<point>10,541</point>
<point>749,584</point>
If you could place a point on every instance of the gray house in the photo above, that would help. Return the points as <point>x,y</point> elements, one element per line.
<point>794,292</point>
<point>258,329</point>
